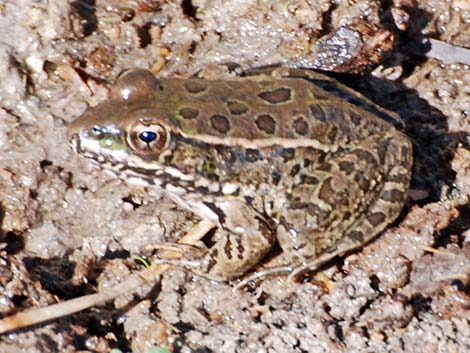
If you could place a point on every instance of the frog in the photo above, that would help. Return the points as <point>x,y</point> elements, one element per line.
<point>289,157</point>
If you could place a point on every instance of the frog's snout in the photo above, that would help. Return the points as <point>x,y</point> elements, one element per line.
<point>73,131</point>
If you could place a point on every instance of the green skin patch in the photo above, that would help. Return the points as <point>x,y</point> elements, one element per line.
<point>112,143</point>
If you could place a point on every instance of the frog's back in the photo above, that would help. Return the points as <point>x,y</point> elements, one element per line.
<point>255,108</point>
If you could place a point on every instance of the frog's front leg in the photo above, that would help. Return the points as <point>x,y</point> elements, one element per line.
<point>242,240</point>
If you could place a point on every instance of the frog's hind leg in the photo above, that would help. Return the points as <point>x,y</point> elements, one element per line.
<point>384,191</point>
<point>387,206</point>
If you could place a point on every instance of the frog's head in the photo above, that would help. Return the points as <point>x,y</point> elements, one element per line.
<point>126,132</point>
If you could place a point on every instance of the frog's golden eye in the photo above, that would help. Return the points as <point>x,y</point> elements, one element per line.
<point>148,138</point>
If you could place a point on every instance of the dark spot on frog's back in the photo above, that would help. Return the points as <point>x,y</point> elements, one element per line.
<point>356,119</point>
<point>266,123</point>
<point>236,108</point>
<point>300,126</point>
<point>287,154</point>
<point>188,113</point>
<point>317,112</point>
<point>313,209</point>
<point>332,133</point>
<point>316,212</point>
<point>398,178</point>
<point>357,236</point>
<point>309,180</point>
<point>382,149</point>
<point>393,195</point>
<point>376,218</point>
<point>366,156</point>
<point>363,183</point>
<point>327,191</point>
<point>195,86</point>
<point>276,176</point>
<point>241,250</point>
<point>346,167</point>
<point>220,123</point>
<point>294,170</point>
<point>252,155</point>
<point>280,95</point>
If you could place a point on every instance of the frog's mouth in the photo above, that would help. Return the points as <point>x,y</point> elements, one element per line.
<point>100,145</point>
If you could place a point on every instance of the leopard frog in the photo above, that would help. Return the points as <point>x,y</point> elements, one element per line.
<point>294,157</point>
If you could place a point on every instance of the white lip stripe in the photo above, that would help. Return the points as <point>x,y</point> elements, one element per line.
<point>91,147</point>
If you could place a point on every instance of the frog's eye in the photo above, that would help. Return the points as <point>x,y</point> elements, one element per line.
<point>148,138</point>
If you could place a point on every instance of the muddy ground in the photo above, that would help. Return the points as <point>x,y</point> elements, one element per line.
<point>68,229</point>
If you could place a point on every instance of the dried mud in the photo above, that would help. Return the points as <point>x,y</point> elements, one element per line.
<point>68,229</point>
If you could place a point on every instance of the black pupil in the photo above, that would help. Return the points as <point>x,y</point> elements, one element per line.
<point>148,136</point>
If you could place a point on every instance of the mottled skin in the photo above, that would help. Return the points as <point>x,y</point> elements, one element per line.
<point>265,158</point>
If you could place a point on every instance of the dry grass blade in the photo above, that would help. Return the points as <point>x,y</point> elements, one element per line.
<point>39,315</point>
<point>448,53</point>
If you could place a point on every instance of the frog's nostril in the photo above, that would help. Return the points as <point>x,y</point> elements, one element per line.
<point>96,130</point>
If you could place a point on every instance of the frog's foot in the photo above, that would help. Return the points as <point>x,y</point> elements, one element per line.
<point>189,264</point>
<point>180,255</point>
<point>171,250</point>
<point>181,249</point>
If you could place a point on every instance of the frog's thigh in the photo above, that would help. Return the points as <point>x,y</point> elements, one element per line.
<point>387,206</point>
<point>241,242</point>
<point>363,193</point>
